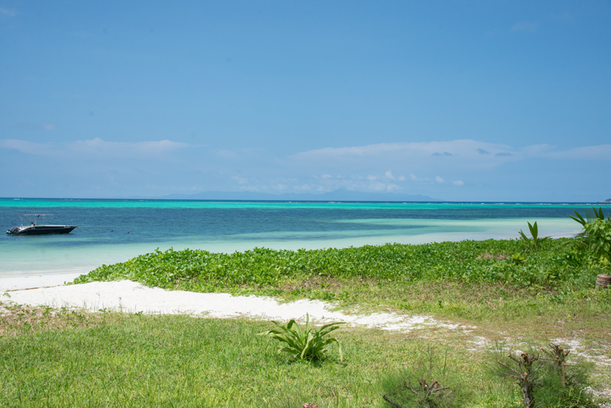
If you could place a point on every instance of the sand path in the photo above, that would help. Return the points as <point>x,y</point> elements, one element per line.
<point>133,297</point>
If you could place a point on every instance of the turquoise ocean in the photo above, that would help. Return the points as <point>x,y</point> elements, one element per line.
<point>111,231</point>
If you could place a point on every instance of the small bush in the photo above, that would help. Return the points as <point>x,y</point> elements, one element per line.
<point>307,343</point>
<point>546,381</point>
<point>430,384</point>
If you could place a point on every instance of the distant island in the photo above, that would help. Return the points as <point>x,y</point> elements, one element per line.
<point>337,195</point>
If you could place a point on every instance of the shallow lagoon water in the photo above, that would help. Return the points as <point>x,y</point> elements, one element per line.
<point>113,231</point>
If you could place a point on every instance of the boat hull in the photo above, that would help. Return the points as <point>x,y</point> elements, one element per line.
<point>42,230</point>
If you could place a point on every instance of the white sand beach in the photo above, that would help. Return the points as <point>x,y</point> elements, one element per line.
<point>33,280</point>
<point>133,297</point>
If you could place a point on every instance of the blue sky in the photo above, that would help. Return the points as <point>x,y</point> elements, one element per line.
<point>464,100</point>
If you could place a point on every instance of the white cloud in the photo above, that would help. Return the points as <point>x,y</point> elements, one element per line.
<point>600,152</point>
<point>38,126</point>
<point>423,180</point>
<point>525,26</point>
<point>389,175</point>
<point>227,155</point>
<point>23,146</point>
<point>240,180</point>
<point>98,146</point>
<point>462,156</point>
<point>8,13</point>
<point>94,148</point>
<point>366,168</point>
<point>455,150</point>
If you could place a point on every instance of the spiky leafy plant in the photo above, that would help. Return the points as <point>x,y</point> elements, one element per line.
<point>534,232</point>
<point>596,234</point>
<point>591,216</point>
<point>307,343</point>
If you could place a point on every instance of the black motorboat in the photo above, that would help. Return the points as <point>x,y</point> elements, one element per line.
<point>35,228</point>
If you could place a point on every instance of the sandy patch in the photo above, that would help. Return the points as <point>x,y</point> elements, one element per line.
<point>133,297</point>
<point>38,280</point>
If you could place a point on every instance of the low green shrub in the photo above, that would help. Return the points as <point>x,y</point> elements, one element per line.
<point>430,383</point>
<point>307,343</point>
<point>546,381</point>
<point>554,265</point>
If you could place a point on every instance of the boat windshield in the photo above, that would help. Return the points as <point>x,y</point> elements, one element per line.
<point>34,219</point>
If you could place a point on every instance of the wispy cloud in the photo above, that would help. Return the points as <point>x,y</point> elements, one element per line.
<point>600,152</point>
<point>409,168</point>
<point>240,180</point>
<point>470,153</point>
<point>228,154</point>
<point>24,146</point>
<point>38,126</point>
<point>456,152</point>
<point>7,12</point>
<point>463,148</point>
<point>389,175</point>
<point>94,148</point>
<point>420,180</point>
<point>525,26</point>
<point>149,148</point>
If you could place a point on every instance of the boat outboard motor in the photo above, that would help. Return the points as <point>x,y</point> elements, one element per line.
<point>13,230</point>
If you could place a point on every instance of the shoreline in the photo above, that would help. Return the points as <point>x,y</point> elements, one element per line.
<point>39,279</point>
<point>17,280</point>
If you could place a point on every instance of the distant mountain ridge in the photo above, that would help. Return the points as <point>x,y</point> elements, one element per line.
<point>337,195</point>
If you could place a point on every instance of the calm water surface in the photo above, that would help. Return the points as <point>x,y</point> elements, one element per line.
<point>112,231</point>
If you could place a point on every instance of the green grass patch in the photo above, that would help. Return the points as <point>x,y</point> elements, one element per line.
<point>180,361</point>
<point>500,290</point>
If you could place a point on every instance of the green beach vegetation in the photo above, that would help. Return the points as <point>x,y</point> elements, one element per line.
<point>503,292</point>
<point>375,276</point>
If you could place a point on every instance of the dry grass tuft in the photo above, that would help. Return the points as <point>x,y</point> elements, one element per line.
<point>497,257</point>
<point>17,319</point>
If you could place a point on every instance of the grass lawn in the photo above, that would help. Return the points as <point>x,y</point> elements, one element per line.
<point>498,292</point>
